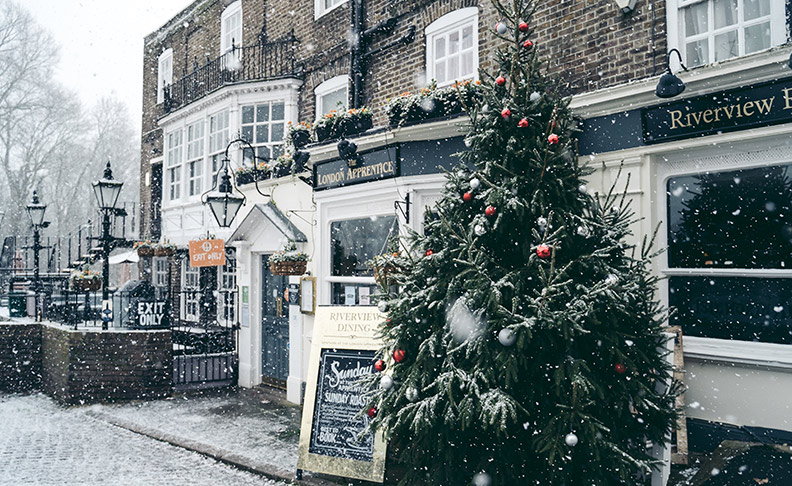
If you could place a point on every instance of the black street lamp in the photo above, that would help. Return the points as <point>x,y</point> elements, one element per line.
<point>36,212</point>
<point>221,199</point>
<point>106,191</point>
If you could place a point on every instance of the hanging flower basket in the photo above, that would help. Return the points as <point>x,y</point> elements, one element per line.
<point>86,284</point>
<point>163,251</point>
<point>288,267</point>
<point>145,251</point>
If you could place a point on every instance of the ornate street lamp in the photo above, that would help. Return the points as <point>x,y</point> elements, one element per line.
<point>36,212</point>
<point>222,199</point>
<point>106,191</point>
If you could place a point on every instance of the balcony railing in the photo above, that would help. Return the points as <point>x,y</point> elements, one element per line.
<point>258,62</point>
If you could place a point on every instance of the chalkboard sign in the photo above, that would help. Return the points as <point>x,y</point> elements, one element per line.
<point>150,314</point>
<point>334,436</point>
<point>337,420</point>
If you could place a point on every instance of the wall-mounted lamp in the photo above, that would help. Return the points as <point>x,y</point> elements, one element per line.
<point>222,200</point>
<point>670,85</point>
<point>626,6</point>
<point>347,150</point>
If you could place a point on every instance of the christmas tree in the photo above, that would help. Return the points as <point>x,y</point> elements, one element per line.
<point>524,344</point>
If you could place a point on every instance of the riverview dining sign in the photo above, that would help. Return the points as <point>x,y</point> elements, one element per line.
<point>736,109</point>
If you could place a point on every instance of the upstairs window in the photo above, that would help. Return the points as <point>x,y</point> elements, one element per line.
<point>322,7</point>
<point>175,149</point>
<point>716,30</point>
<point>218,139</point>
<point>195,160</point>
<point>332,95</point>
<point>452,47</point>
<point>164,74</point>
<point>262,126</point>
<point>231,27</point>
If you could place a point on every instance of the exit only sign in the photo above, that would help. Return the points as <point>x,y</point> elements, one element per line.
<point>207,253</point>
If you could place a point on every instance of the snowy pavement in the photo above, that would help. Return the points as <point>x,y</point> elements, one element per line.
<point>44,444</point>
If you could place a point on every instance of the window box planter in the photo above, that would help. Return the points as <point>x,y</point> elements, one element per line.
<point>145,251</point>
<point>431,103</point>
<point>86,284</point>
<point>300,136</point>
<point>288,267</point>
<point>335,125</point>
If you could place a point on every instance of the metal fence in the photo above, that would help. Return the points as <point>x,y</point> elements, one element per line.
<point>261,61</point>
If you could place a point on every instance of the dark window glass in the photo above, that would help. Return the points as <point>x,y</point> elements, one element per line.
<point>356,241</point>
<point>364,294</point>
<point>733,219</point>
<point>740,308</point>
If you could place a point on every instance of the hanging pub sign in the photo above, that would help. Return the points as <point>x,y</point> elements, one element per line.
<point>736,109</point>
<point>150,314</point>
<point>371,166</point>
<point>333,436</point>
<point>207,253</point>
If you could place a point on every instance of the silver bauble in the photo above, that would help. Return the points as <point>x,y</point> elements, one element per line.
<point>507,337</point>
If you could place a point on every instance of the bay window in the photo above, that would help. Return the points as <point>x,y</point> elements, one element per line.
<point>175,142</point>
<point>263,126</point>
<point>195,160</point>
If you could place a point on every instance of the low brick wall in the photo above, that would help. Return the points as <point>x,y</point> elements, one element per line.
<point>99,366</point>
<point>20,357</point>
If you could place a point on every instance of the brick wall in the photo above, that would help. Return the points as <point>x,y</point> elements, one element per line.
<point>588,43</point>
<point>20,357</point>
<point>89,367</point>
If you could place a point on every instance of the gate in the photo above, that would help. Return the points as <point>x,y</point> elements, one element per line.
<point>205,353</point>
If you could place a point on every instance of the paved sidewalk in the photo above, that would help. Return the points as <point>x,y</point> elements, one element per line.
<point>43,444</point>
<point>252,429</point>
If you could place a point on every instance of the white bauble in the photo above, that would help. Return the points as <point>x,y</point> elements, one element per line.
<point>475,183</point>
<point>541,222</point>
<point>479,230</point>
<point>571,439</point>
<point>507,337</point>
<point>583,189</point>
<point>535,96</point>
<point>411,394</point>
<point>583,231</point>
<point>382,306</point>
<point>386,382</point>
<point>501,28</point>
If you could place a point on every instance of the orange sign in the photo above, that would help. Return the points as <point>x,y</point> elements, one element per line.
<point>207,253</point>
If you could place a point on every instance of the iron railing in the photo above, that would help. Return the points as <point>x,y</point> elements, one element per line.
<point>258,62</point>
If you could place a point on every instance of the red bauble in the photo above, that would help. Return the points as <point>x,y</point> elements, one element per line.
<point>506,113</point>
<point>467,197</point>
<point>527,44</point>
<point>523,123</point>
<point>429,253</point>
<point>552,139</point>
<point>620,368</point>
<point>379,365</point>
<point>399,355</point>
<point>372,412</point>
<point>543,251</point>
<point>523,26</point>
<point>500,80</point>
<point>490,211</point>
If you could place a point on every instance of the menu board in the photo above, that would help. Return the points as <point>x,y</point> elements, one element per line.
<point>333,437</point>
<point>337,422</point>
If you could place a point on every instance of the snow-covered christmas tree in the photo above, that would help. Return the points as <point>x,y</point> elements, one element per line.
<point>524,345</point>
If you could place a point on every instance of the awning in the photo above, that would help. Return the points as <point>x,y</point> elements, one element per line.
<point>267,214</point>
<point>126,257</point>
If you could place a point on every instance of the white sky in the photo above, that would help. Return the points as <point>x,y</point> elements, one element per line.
<point>101,43</point>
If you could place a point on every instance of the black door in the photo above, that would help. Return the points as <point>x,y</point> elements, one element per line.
<point>274,326</point>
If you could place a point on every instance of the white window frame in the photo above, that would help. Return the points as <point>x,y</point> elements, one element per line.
<point>675,21</point>
<point>218,140</point>
<point>190,299</point>
<point>164,73</point>
<point>320,9</point>
<point>271,146</point>
<point>174,160</point>
<point>716,349</point>
<point>196,148</point>
<point>159,272</point>
<point>449,22</point>
<point>330,86</point>
<point>229,37</point>
<point>227,287</point>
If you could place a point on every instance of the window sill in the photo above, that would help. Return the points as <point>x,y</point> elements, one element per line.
<point>319,14</point>
<point>763,355</point>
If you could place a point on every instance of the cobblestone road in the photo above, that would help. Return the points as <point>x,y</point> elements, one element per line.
<point>44,444</point>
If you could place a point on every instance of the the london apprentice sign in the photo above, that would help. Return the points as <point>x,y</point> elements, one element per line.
<point>754,106</point>
<point>380,164</point>
<point>334,436</point>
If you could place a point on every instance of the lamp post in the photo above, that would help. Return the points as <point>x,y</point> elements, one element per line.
<point>221,199</point>
<point>106,191</point>
<point>36,211</point>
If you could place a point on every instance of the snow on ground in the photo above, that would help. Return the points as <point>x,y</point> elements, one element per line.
<point>244,421</point>
<point>43,444</point>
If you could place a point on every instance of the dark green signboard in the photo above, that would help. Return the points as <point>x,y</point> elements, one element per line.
<point>379,164</point>
<point>736,109</point>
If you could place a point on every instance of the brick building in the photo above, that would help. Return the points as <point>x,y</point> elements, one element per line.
<point>201,90</point>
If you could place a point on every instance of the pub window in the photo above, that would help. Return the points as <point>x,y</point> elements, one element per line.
<point>227,289</point>
<point>452,47</point>
<point>715,30</point>
<point>190,292</point>
<point>262,126</point>
<point>353,243</point>
<point>730,253</point>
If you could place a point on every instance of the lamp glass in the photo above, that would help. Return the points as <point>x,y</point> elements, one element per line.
<point>224,206</point>
<point>107,192</point>
<point>36,213</point>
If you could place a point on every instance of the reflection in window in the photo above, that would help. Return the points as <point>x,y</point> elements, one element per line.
<point>738,219</point>
<point>355,241</point>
